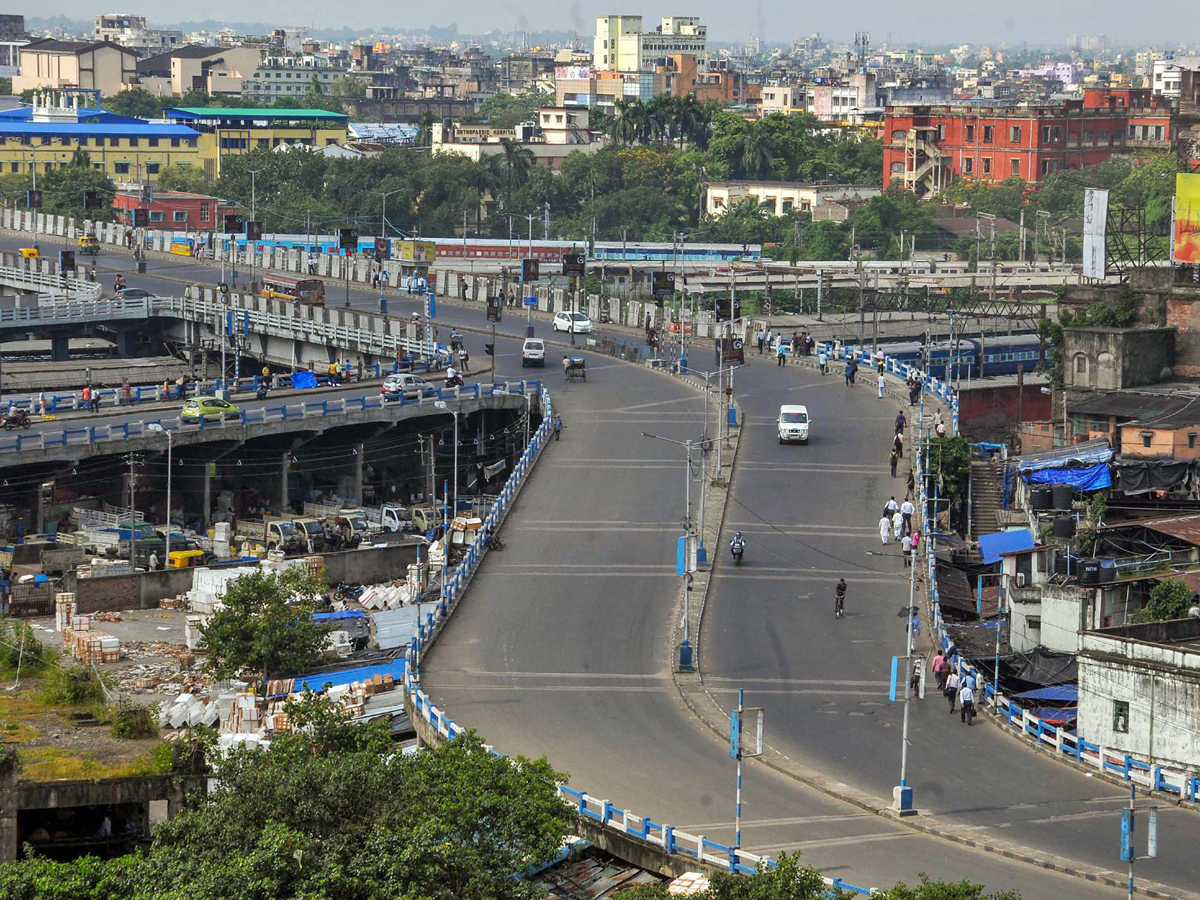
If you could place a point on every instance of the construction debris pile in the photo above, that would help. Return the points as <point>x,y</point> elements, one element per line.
<point>79,640</point>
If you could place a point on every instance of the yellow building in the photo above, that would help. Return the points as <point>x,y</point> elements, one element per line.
<point>47,134</point>
<point>234,131</point>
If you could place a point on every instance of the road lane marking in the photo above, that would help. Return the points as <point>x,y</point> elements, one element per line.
<point>561,688</point>
<point>705,827</point>
<point>596,675</point>
<point>844,841</point>
<point>820,681</point>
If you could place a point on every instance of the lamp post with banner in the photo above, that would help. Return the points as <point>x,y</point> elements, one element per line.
<point>574,265</point>
<point>740,748</point>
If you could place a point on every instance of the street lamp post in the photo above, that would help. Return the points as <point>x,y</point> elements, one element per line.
<point>441,404</point>
<point>685,651</point>
<point>158,429</point>
<point>383,234</point>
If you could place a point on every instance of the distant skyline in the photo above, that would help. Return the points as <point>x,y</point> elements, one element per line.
<point>936,22</point>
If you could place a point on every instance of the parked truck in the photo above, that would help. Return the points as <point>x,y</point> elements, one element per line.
<point>273,533</point>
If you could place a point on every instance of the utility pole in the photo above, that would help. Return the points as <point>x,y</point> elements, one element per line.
<point>132,523</point>
<point>862,309</point>
<point>1022,227</point>
<point>253,209</point>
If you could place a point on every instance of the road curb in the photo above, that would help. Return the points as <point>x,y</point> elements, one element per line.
<point>695,695</point>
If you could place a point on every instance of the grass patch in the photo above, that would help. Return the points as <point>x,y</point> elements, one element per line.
<point>19,649</point>
<point>56,764</point>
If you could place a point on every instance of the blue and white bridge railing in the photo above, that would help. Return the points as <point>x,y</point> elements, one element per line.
<point>1052,736</point>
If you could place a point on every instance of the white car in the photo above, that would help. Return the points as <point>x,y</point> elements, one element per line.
<point>793,424</point>
<point>572,322</point>
<point>404,384</point>
<point>533,353</point>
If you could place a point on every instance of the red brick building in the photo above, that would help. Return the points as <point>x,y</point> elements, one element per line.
<point>927,147</point>
<point>174,210</point>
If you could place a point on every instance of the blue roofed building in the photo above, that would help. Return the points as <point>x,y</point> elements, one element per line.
<point>47,134</point>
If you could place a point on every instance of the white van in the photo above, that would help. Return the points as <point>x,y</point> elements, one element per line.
<point>793,424</point>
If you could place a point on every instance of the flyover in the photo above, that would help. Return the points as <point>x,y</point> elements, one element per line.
<point>562,645</point>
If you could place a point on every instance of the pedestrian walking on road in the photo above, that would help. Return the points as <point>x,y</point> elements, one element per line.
<point>558,427</point>
<point>916,624</point>
<point>881,383</point>
<point>126,394</point>
<point>885,528</point>
<point>901,421</point>
<point>912,484</point>
<point>891,507</point>
<point>822,361</point>
<point>950,690</point>
<point>938,674</point>
<point>762,339</point>
<point>849,373</point>
<point>906,550</point>
<point>906,510</point>
<point>914,680</point>
<point>893,461</point>
<point>780,355</point>
<point>966,698</point>
<point>898,442</point>
<point>897,525</point>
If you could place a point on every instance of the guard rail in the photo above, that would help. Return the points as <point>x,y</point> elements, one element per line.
<point>124,431</point>
<point>53,286</point>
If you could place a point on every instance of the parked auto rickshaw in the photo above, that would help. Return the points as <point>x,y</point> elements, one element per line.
<point>89,244</point>
<point>29,252</point>
<point>185,559</point>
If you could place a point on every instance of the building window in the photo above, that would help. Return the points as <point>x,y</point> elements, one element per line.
<point>152,168</point>
<point>1103,139</point>
<point>153,142</point>
<point>1147,437</point>
<point>1191,440</point>
<point>179,215</point>
<point>1045,134</point>
<point>1014,134</point>
<point>174,142</point>
<point>114,142</point>
<point>970,134</point>
<point>987,134</point>
<point>987,167</point>
<point>204,212</point>
<point>1045,167</point>
<point>121,168</point>
<point>1014,168</point>
<point>968,166</point>
<point>133,142</point>
<point>1088,137</point>
<point>156,215</point>
<point>66,142</point>
<point>14,167</point>
<point>941,131</point>
<point>45,140</point>
<point>1120,717</point>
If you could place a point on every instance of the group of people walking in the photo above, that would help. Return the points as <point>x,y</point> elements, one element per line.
<point>955,688</point>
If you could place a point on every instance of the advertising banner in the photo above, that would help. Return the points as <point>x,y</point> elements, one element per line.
<point>1186,233</point>
<point>420,252</point>
<point>1095,219</point>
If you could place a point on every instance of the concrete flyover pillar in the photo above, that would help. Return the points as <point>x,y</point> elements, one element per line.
<point>60,348</point>
<point>283,486</point>
<point>359,453</point>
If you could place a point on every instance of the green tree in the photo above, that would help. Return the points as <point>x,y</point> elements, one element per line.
<point>135,102</point>
<point>425,129</point>
<point>348,86</point>
<point>755,159</point>
<point>949,464</point>
<point>1168,600</point>
<point>333,810</point>
<point>509,110</point>
<point>266,625</point>
<point>315,87</point>
<point>64,189</point>
<point>517,162</point>
<point>179,177</point>
<point>946,890</point>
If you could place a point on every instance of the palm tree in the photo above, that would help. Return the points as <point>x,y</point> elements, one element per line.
<point>425,129</point>
<point>660,117</point>
<point>756,153</point>
<point>517,161</point>
<point>625,125</point>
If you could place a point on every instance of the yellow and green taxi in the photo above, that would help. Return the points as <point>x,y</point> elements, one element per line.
<point>210,409</point>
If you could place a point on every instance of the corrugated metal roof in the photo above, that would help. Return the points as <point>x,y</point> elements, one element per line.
<point>1084,453</point>
<point>240,112</point>
<point>1186,528</point>
<point>1129,404</point>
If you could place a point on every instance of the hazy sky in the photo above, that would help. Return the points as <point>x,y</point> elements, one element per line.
<point>926,21</point>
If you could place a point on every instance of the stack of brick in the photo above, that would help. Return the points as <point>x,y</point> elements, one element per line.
<point>90,646</point>
<point>64,610</point>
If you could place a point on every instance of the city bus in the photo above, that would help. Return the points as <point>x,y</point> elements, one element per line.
<point>279,287</point>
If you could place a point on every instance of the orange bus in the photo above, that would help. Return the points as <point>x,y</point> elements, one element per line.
<point>311,291</point>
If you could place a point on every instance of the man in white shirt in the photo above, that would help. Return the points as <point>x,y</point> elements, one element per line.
<point>906,510</point>
<point>966,698</point>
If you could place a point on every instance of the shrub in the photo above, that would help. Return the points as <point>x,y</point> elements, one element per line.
<point>73,686</point>
<point>133,722</point>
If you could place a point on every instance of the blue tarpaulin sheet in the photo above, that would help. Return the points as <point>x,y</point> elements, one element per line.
<point>302,380</point>
<point>1052,716</point>
<point>992,545</point>
<point>340,614</point>
<point>1059,693</point>
<point>1088,478</point>
<point>347,676</point>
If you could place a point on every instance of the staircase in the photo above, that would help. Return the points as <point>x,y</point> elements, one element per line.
<point>986,485</point>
